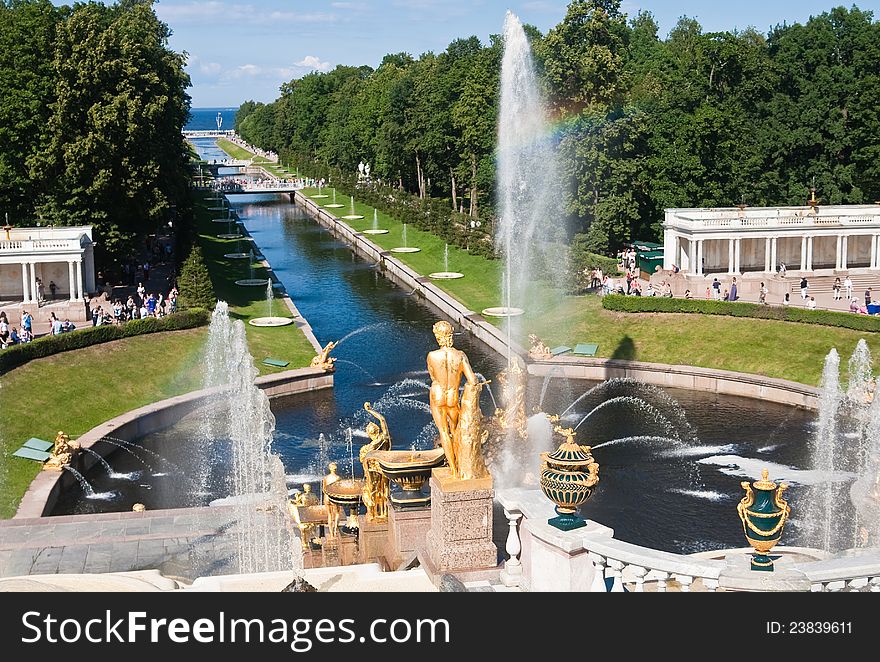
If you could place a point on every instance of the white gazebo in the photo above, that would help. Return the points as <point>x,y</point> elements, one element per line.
<point>33,258</point>
<point>757,240</point>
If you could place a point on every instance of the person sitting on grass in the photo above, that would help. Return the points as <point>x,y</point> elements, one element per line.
<point>687,294</point>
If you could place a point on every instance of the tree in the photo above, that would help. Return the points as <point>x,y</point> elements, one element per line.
<point>194,282</point>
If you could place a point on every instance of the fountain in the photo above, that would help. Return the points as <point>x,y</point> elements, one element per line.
<point>239,255</point>
<point>270,320</point>
<point>320,195</point>
<point>405,248</point>
<point>352,216</point>
<point>334,204</point>
<point>375,229</point>
<point>846,457</point>
<point>526,174</point>
<point>446,274</point>
<point>257,482</point>
<point>253,281</point>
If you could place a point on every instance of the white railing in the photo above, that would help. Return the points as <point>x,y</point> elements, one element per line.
<point>635,568</point>
<point>770,223</point>
<point>40,245</point>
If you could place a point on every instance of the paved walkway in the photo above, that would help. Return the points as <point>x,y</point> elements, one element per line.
<point>185,543</point>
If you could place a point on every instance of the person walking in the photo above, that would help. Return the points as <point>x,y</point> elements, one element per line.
<point>805,286</point>
<point>848,287</point>
<point>762,295</point>
<point>733,287</point>
<point>836,289</point>
<point>716,287</point>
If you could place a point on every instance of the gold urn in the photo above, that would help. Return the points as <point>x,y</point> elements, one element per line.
<point>568,477</point>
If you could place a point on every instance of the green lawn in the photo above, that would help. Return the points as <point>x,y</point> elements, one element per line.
<point>287,342</point>
<point>75,391</point>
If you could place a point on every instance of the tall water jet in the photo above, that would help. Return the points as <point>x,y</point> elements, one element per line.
<point>826,452</point>
<point>257,480</point>
<point>526,174</point>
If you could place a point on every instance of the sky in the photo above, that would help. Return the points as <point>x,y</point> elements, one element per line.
<point>245,49</point>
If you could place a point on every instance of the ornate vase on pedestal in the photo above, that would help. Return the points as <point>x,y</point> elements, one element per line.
<point>763,512</point>
<point>568,476</point>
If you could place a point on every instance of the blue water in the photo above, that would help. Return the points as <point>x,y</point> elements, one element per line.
<point>205,119</point>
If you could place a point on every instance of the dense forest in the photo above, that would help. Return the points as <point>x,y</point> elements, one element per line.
<point>93,103</point>
<point>643,123</point>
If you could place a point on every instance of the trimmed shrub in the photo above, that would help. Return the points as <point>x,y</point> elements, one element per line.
<point>194,283</point>
<point>843,320</point>
<point>95,335</point>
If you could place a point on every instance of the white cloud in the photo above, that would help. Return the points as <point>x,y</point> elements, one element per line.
<point>356,6</point>
<point>313,62</point>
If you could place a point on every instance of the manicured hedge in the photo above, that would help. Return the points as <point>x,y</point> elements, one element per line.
<point>95,335</point>
<point>844,320</point>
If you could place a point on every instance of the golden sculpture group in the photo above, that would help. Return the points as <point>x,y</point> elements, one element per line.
<point>62,453</point>
<point>324,360</point>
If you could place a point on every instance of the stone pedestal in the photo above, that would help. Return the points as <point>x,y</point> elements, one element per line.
<point>406,533</point>
<point>460,539</point>
<point>372,540</point>
<point>738,576</point>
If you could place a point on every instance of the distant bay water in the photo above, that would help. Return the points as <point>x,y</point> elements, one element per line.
<point>205,119</point>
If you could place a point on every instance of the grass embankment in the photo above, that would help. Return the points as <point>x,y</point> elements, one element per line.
<point>784,350</point>
<point>245,303</point>
<point>75,391</point>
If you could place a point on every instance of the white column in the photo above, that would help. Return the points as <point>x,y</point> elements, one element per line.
<point>768,255</point>
<point>809,253</point>
<point>774,254</point>
<point>844,258</point>
<point>692,257</point>
<point>512,573</point>
<point>79,279</point>
<point>730,256</point>
<point>35,296</point>
<point>71,280</point>
<point>803,253</point>
<point>737,255</point>
<point>838,261</point>
<point>24,283</point>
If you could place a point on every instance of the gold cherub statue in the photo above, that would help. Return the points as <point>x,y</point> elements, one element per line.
<point>323,360</point>
<point>333,511</point>
<point>538,349</point>
<point>62,453</point>
<point>376,485</point>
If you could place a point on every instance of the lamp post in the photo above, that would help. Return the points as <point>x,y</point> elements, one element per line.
<point>7,227</point>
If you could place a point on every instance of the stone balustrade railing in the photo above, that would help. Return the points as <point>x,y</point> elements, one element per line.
<point>40,245</point>
<point>758,222</point>
<point>542,558</point>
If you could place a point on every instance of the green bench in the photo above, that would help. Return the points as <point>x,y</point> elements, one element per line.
<point>586,349</point>
<point>559,351</point>
<point>276,363</point>
<point>35,449</point>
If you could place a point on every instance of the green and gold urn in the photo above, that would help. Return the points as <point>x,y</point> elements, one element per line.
<point>763,512</point>
<point>568,477</point>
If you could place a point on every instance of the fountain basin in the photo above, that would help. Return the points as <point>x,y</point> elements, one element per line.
<point>216,208</point>
<point>503,311</point>
<point>318,197</point>
<point>229,236</point>
<point>352,217</point>
<point>375,232</point>
<point>253,282</point>
<point>334,206</point>
<point>271,321</point>
<point>345,492</point>
<point>237,256</point>
<point>446,275</point>
<point>223,220</point>
<point>405,249</point>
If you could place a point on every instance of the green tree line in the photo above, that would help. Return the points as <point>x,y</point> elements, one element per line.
<point>643,122</point>
<point>93,103</point>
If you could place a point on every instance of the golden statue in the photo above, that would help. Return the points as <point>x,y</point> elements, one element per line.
<point>323,360</point>
<point>513,388</point>
<point>62,453</point>
<point>538,349</point>
<point>333,511</point>
<point>469,436</point>
<point>296,506</point>
<point>377,488</point>
<point>447,366</point>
